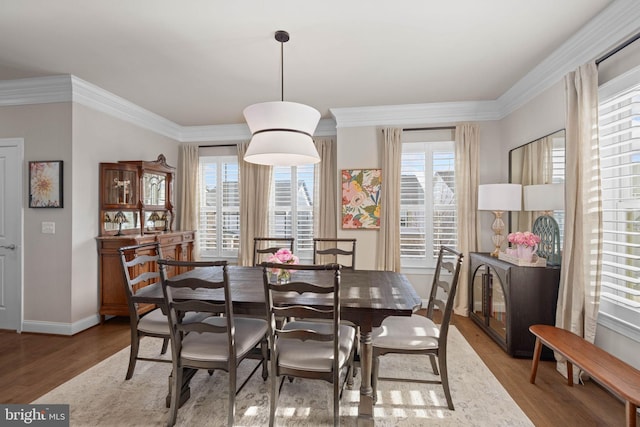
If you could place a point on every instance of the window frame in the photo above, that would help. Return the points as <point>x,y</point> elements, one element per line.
<point>221,158</point>
<point>431,143</point>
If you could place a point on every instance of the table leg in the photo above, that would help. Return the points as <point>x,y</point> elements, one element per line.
<point>365,408</point>
<point>185,390</point>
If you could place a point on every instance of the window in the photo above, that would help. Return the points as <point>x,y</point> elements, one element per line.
<point>427,197</point>
<point>291,207</point>
<point>219,221</point>
<point>619,128</point>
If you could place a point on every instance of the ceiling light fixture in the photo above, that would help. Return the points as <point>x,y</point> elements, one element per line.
<point>281,132</point>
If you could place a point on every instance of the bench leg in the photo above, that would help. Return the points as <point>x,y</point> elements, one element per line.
<point>534,362</point>
<point>569,373</point>
<point>630,413</point>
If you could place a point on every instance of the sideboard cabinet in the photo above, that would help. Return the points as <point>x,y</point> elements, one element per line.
<point>176,245</point>
<point>505,299</point>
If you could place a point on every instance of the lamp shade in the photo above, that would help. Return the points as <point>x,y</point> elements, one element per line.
<point>544,197</point>
<point>281,133</point>
<point>499,197</point>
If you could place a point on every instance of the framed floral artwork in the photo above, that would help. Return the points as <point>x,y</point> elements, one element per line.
<point>361,198</point>
<point>45,184</point>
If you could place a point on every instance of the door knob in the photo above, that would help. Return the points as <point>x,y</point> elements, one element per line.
<point>11,246</point>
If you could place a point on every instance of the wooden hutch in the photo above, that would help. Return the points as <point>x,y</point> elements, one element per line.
<point>136,206</point>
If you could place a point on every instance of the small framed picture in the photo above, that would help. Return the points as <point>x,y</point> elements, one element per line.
<point>45,184</point>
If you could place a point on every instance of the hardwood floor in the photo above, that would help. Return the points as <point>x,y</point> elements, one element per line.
<point>33,364</point>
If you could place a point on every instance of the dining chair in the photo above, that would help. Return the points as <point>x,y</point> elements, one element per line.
<point>421,334</point>
<point>335,249</point>
<point>219,341</point>
<point>263,246</point>
<point>304,348</point>
<point>139,267</point>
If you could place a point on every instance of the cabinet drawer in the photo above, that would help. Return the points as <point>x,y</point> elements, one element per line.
<point>168,240</point>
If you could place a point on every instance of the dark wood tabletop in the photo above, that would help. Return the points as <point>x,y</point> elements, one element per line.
<point>369,294</point>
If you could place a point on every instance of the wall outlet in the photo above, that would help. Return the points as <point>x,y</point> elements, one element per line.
<point>48,227</point>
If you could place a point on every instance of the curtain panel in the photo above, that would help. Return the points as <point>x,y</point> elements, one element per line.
<point>467,141</point>
<point>255,186</point>
<point>189,162</point>
<point>388,255</point>
<point>326,194</point>
<point>579,293</point>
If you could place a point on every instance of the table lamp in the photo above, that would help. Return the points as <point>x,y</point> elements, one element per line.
<point>546,198</point>
<point>499,198</point>
<point>120,219</point>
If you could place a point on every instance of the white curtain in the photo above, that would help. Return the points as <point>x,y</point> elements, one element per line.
<point>326,195</point>
<point>579,294</point>
<point>388,257</point>
<point>189,161</point>
<point>467,140</point>
<point>255,185</point>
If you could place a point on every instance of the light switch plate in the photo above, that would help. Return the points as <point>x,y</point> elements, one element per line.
<point>48,227</point>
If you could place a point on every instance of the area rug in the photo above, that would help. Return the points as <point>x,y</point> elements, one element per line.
<point>101,397</point>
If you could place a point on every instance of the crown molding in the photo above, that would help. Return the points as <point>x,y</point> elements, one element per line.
<point>239,132</point>
<point>37,90</point>
<point>99,99</point>
<point>616,23</point>
<point>415,114</point>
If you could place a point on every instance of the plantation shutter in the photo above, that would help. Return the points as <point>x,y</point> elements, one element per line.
<point>427,199</point>
<point>619,125</point>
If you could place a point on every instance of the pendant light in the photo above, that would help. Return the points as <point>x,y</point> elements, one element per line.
<point>281,132</point>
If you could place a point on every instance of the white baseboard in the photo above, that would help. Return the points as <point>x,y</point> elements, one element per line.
<point>57,328</point>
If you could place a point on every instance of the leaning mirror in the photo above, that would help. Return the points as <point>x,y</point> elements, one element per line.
<point>538,162</point>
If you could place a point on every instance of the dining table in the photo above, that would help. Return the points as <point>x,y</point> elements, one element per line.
<point>367,297</point>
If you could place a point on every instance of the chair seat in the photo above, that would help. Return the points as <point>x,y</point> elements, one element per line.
<point>154,322</point>
<point>213,347</point>
<point>406,333</point>
<point>316,356</point>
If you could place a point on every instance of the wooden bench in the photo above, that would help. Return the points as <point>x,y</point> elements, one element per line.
<point>614,374</point>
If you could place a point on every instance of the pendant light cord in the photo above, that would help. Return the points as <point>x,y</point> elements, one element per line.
<point>281,71</point>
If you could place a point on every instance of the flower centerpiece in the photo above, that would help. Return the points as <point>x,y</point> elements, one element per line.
<point>526,244</point>
<point>283,256</point>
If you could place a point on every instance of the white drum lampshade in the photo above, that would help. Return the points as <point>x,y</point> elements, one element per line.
<point>281,133</point>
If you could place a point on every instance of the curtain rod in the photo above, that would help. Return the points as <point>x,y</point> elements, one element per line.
<point>433,128</point>
<point>617,49</point>
<point>218,145</point>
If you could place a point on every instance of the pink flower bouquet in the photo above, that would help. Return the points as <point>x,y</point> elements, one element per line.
<point>283,256</point>
<point>525,238</point>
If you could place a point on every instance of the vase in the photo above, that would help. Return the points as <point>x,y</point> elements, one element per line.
<point>526,253</point>
<point>284,276</point>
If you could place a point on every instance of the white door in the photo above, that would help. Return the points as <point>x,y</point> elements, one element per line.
<point>11,165</point>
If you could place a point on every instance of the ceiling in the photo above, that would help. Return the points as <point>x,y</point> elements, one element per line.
<point>201,62</point>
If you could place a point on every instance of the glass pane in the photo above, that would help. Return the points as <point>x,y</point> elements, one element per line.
<point>497,308</point>
<point>153,189</point>
<point>119,187</point>
<point>478,280</point>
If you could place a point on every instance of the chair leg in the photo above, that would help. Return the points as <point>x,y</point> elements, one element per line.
<point>274,393</point>
<point>374,376</point>
<point>165,345</point>
<point>133,354</point>
<point>264,347</point>
<point>444,377</point>
<point>175,395</point>
<point>336,400</point>
<point>232,391</point>
<point>434,365</point>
